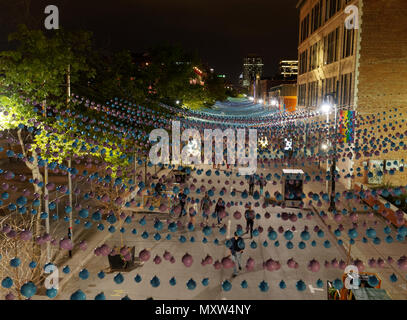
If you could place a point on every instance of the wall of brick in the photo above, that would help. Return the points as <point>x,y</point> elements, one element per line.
<point>382,81</point>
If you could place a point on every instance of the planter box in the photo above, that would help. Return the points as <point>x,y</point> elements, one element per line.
<point>116,262</point>
<point>380,202</point>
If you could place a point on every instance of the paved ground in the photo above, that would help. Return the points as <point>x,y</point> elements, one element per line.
<point>165,271</point>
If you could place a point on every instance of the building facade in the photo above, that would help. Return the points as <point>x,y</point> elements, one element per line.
<point>357,50</point>
<point>288,69</point>
<point>252,69</point>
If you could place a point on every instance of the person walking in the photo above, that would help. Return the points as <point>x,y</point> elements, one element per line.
<point>205,206</point>
<point>220,206</point>
<point>182,200</point>
<point>262,182</point>
<point>236,249</point>
<point>251,184</point>
<point>249,215</point>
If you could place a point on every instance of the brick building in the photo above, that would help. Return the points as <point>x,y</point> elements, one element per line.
<point>367,64</point>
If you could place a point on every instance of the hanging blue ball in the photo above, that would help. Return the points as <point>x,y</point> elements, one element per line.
<point>244,284</point>
<point>393,278</point>
<point>320,233</point>
<point>101,275</point>
<point>289,245</point>
<point>205,282</point>
<point>327,244</point>
<point>137,278</point>
<point>66,270</point>
<point>282,284</point>
<point>204,240</point>
<point>182,239</point>
<point>84,274</point>
<point>226,285</point>
<point>15,262</point>
<point>372,281</point>
<point>302,245</point>
<point>118,279</point>
<point>265,244</point>
<point>253,244</point>
<point>32,264</point>
<point>337,284</point>
<point>288,235</point>
<point>51,293</point>
<point>168,237</point>
<point>191,284</point>
<point>263,286</point>
<point>277,243</point>
<point>28,289</point>
<point>100,296</point>
<point>155,282</point>
<point>173,282</point>
<point>78,295</point>
<point>320,283</point>
<point>145,235</point>
<point>313,243</point>
<point>301,285</point>
<point>207,230</point>
<point>272,235</point>
<point>305,235</point>
<point>157,236</point>
<point>7,283</point>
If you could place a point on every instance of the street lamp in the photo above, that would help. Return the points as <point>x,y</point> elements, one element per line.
<point>326,107</point>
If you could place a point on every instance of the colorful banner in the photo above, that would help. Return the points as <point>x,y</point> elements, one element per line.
<point>346,126</point>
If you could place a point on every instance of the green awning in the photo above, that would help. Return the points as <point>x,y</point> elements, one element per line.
<point>370,294</point>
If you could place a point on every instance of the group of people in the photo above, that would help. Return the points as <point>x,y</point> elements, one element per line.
<point>261,182</point>
<point>237,244</point>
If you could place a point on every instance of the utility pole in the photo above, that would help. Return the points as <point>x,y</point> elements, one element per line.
<point>332,206</point>
<point>68,100</point>
<point>46,194</point>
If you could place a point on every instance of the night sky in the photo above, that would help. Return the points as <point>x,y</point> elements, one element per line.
<point>222,31</point>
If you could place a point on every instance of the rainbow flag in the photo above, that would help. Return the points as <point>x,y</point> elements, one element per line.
<point>346,126</point>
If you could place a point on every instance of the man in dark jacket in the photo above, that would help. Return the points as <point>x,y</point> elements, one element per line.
<point>249,215</point>
<point>236,249</point>
<point>182,197</point>
<point>251,184</point>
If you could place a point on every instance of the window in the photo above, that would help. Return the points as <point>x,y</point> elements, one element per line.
<point>303,62</point>
<point>346,90</point>
<point>313,56</point>
<point>312,98</point>
<point>348,43</point>
<point>302,90</point>
<point>304,29</point>
<point>316,16</point>
<point>328,86</point>
<point>331,46</point>
<point>331,8</point>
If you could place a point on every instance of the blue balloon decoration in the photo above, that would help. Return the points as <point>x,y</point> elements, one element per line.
<point>137,278</point>
<point>7,283</point>
<point>264,287</point>
<point>226,285</point>
<point>118,279</point>
<point>173,282</point>
<point>28,289</point>
<point>51,293</point>
<point>155,282</point>
<point>100,296</point>
<point>78,295</point>
<point>337,284</point>
<point>101,275</point>
<point>282,284</point>
<point>244,284</point>
<point>84,274</point>
<point>191,284</point>
<point>205,282</point>
<point>300,285</point>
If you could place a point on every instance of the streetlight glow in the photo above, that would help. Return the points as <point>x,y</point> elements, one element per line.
<point>326,107</point>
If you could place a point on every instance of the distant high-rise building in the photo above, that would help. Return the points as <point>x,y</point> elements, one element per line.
<point>252,69</point>
<point>289,68</point>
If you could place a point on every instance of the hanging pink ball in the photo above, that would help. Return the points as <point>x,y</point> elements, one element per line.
<point>167,256</point>
<point>227,263</point>
<point>66,244</point>
<point>217,265</point>
<point>157,259</point>
<point>187,260</point>
<point>172,260</point>
<point>250,264</point>
<point>144,255</point>
<point>83,245</point>
<point>314,266</point>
